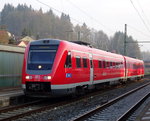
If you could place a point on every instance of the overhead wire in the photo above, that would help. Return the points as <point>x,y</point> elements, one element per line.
<point>137,30</point>
<point>140,16</point>
<point>144,15</point>
<point>79,22</point>
<point>58,11</point>
<point>88,15</point>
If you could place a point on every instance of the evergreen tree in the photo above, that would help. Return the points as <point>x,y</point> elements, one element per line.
<point>117,45</point>
<point>24,21</point>
<point>101,41</point>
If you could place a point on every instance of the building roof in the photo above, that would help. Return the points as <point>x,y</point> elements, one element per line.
<point>23,43</point>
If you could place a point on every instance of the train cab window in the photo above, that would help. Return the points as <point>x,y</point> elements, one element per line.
<point>85,62</point>
<point>41,57</point>
<point>78,62</point>
<point>100,64</point>
<point>68,61</point>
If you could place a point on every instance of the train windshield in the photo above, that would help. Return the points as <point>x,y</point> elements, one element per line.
<point>41,59</point>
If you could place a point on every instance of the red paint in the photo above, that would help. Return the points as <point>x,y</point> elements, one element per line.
<point>117,66</point>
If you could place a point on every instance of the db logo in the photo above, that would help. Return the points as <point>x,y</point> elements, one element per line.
<point>37,77</point>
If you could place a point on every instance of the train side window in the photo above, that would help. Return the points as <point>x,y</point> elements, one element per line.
<point>100,64</point>
<point>111,64</point>
<point>115,64</point>
<point>78,62</point>
<point>68,61</point>
<point>120,65</point>
<point>128,65</point>
<point>104,64</point>
<point>85,62</point>
<point>134,66</point>
<point>107,64</point>
<point>91,63</point>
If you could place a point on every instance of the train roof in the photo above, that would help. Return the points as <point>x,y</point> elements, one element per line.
<point>82,46</point>
<point>45,41</point>
<point>82,43</point>
<point>133,59</point>
<point>95,51</point>
<point>76,44</point>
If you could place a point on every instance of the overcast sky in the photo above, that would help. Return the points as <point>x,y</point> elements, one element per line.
<point>107,15</point>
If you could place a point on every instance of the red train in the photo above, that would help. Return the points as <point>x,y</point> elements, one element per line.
<point>56,67</point>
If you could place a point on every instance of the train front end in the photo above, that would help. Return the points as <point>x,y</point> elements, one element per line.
<point>37,69</point>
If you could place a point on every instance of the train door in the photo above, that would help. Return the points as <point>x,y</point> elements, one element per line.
<point>91,69</point>
<point>126,64</point>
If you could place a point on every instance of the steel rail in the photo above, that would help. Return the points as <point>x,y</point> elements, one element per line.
<point>101,107</point>
<point>47,107</point>
<point>128,113</point>
<point>10,108</point>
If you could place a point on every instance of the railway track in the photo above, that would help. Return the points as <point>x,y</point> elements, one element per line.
<point>118,109</point>
<point>16,112</point>
<point>33,110</point>
<point>13,112</point>
<point>129,112</point>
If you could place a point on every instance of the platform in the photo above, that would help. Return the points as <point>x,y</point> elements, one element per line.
<point>9,94</point>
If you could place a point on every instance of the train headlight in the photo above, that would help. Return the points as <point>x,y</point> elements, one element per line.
<point>47,77</point>
<point>28,77</point>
